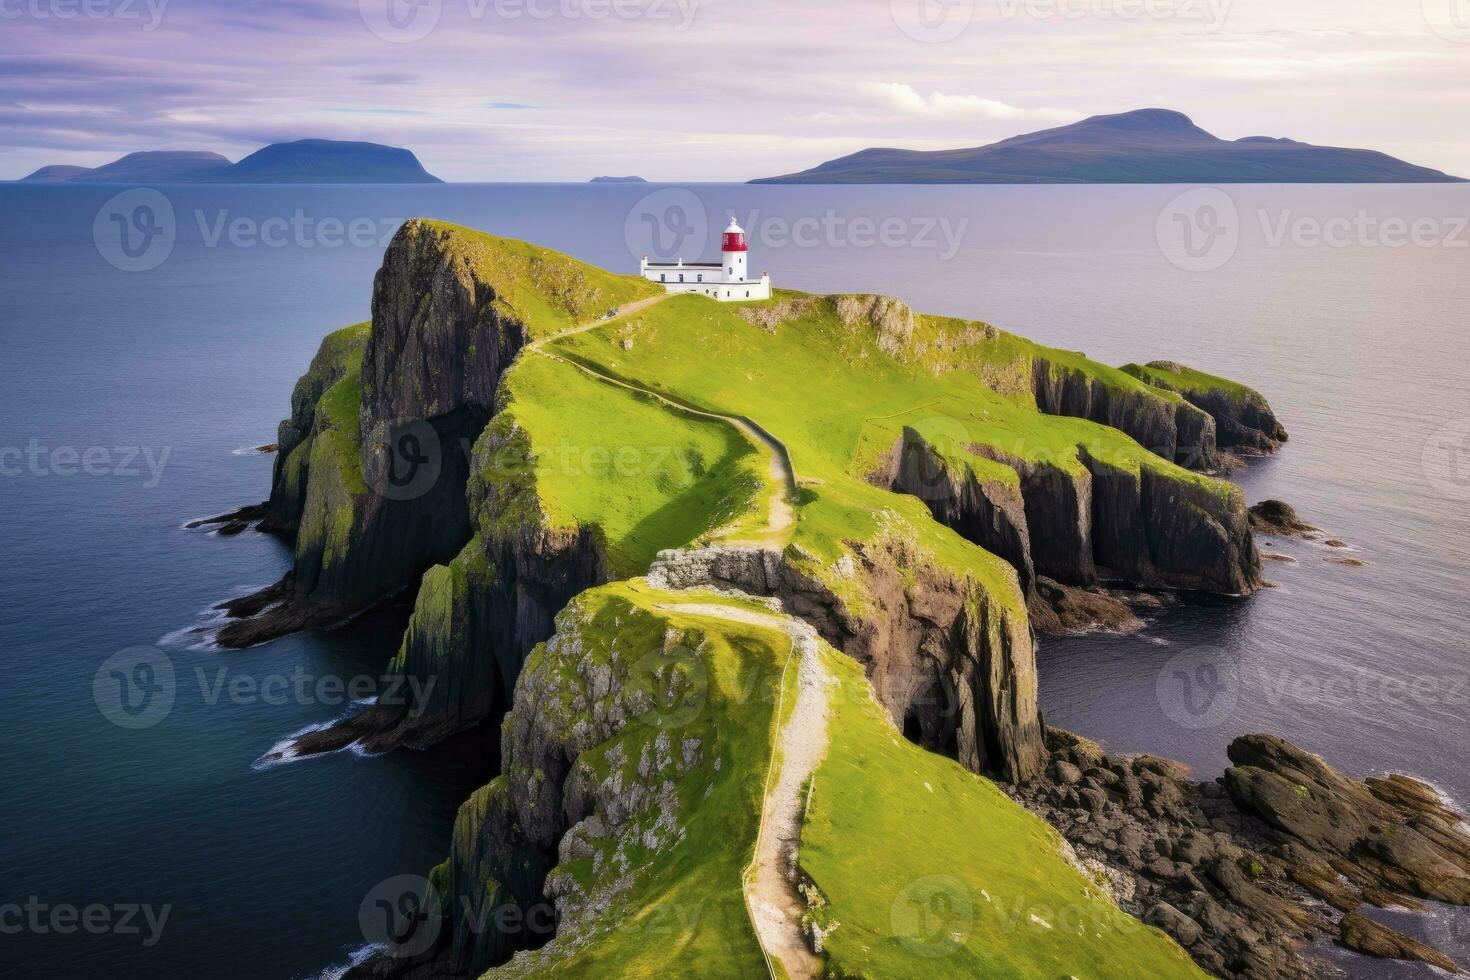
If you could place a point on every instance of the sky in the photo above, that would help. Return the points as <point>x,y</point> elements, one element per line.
<point>491,90</point>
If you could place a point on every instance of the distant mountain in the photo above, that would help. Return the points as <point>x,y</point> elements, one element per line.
<point>301,162</point>
<point>1148,146</point>
<point>617,180</point>
<point>56,174</point>
<point>330,162</point>
<point>172,166</point>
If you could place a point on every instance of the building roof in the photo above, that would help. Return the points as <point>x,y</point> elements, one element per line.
<point>686,265</point>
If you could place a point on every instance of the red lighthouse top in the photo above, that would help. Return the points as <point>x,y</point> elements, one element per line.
<point>733,240</point>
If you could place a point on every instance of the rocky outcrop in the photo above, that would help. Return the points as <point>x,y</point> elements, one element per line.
<point>1147,527</point>
<point>952,665</point>
<point>1244,422</point>
<point>1280,518</point>
<point>374,460</point>
<point>1230,868</point>
<point>1171,428</point>
<point>1394,836</point>
<point>477,618</point>
<point>572,788</point>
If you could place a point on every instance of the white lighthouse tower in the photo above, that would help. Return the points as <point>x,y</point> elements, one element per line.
<point>727,280</point>
<point>732,247</point>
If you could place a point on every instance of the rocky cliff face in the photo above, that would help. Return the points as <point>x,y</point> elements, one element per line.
<point>374,460</point>
<point>954,668</point>
<point>1171,428</point>
<point>1244,422</point>
<point>1085,522</point>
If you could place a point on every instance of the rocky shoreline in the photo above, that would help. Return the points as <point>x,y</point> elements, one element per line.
<point>1246,871</point>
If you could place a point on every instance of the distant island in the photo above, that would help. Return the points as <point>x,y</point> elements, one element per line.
<point>1147,146</point>
<point>310,161</point>
<point>617,180</point>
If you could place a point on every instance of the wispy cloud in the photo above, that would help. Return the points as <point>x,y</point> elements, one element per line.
<point>740,90</point>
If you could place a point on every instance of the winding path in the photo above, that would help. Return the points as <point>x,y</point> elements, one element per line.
<point>779,466</point>
<point>772,898</point>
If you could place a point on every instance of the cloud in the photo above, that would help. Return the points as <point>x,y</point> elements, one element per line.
<point>905,99</point>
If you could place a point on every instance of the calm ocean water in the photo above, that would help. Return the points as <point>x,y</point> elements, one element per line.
<point>134,374</point>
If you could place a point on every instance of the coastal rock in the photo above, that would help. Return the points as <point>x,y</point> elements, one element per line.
<point>1235,857</point>
<point>1279,518</point>
<point>1169,427</point>
<point>1149,527</point>
<point>1409,846</point>
<point>1243,421</point>
<point>1361,934</point>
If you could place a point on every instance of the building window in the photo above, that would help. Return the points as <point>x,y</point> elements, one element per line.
<point>747,294</point>
<point>681,277</point>
<point>663,277</point>
<point>700,277</point>
<point>732,272</point>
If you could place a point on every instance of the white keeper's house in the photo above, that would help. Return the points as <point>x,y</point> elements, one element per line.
<point>727,280</point>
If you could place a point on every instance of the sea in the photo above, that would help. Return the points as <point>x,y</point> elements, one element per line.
<point>150,338</point>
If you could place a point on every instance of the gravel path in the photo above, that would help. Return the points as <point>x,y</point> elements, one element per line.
<point>775,903</point>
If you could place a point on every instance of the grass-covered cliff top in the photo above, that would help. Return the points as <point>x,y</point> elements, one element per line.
<point>923,868</point>
<point>839,392</point>
<point>1171,377</point>
<point>544,289</point>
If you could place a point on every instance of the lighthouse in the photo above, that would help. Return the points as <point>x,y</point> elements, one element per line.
<point>732,247</point>
<point>728,280</point>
